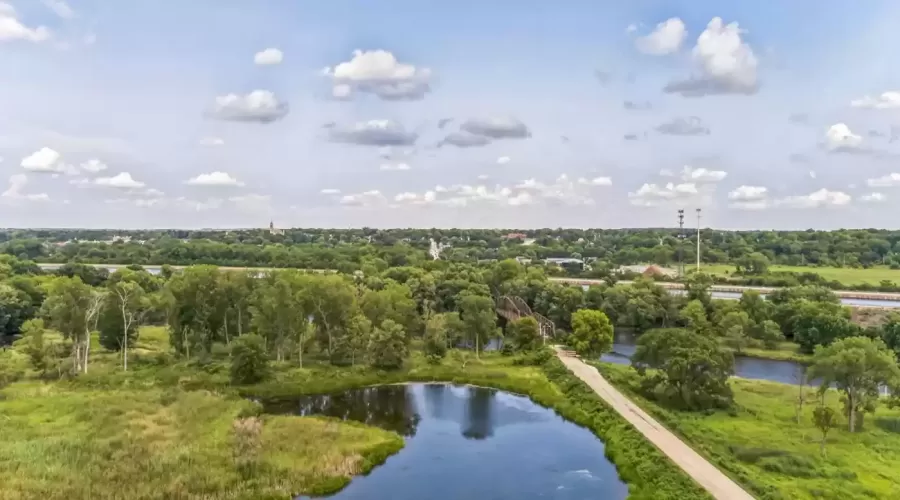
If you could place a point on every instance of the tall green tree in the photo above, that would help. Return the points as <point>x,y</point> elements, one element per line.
<point>387,346</point>
<point>394,302</point>
<point>825,419</point>
<point>71,306</point>
<point>756,306</point>
<point>127,303</point>
<point>691,370</point>
<point>769,333</point>
<point>249,362</point>
<point>332,302</point>
<point>436,340</point>
<point>857,367</point>
<point>694,315</point>
<point>524,334</point>
<point>280,309</point>
<point>479,317</point>
<point>14,309</point>
<point>736,329</point>
<point>592,333</point>
<point>195,318</point>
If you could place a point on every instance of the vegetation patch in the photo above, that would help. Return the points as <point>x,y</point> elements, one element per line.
<point>760,444</point>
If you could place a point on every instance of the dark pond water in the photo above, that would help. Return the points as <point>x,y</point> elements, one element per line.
<point>786,372</point>
<point>468,443</point>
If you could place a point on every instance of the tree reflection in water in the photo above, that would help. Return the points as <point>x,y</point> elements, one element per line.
<point>479,416</point>
<point>389,407</point>
<point>393,407</point>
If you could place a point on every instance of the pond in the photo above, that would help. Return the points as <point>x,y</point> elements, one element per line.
<point>785,372</point>
<point>468,442</point>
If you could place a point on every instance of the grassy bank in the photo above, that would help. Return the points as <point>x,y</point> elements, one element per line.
<point>163,430</point>
<point>762,446</point>
<point>786,351</point>
<point>57,443</point>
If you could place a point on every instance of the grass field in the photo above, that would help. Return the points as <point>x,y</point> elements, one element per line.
<point>846,275</point>
<point>150,440</point>
<point>762,446</point>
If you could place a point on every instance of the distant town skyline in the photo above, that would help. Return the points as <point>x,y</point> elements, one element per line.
<point>232,114</point>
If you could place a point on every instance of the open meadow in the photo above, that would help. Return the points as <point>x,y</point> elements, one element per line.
<point>761,445</point>
<point>846,275</point>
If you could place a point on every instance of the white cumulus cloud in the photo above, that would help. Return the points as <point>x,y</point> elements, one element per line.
<point>379,72</point>
<point>840,137</point>
<point>665,39</point>
<point>11,28</point>
<point>44,160</point>
<point>120,181</point>
<point>873,197</point>
<point>596,181</point>
<point>261,106</point>
<point>93,166</point>
<point>887,100</point>
<point>364,199</point>
<point>17,183</point>
<point>214,179</point>
<point>820,198</point>
<point>702,175</point>
<point>889,180</point>
<point>394,167</point>
<point>727,64</point>
<point>268,57</point>
<point>748,193</point>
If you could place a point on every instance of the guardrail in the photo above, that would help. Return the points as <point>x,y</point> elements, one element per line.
<point>847,294</point>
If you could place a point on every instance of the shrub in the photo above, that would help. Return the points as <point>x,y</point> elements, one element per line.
<point>249,363</point>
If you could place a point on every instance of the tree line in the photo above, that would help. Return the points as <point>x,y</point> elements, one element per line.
<point>350,249</point>
<point>685,349</point>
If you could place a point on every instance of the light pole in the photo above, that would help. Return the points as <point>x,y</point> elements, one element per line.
<point>698,240</point>
<point>680,241</point>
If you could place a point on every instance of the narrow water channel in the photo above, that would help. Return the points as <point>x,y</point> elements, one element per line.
<point>466,443</point>
<point>785,372</point>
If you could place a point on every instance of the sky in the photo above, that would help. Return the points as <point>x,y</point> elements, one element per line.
<point>586,113</point>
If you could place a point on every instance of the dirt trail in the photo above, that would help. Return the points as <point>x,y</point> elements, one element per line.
<point>704,473</point>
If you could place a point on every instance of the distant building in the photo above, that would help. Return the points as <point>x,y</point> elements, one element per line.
<point>566,262</point>
<point>273,231</point>
<point>435,249</point>
<point>515,236</point>
<point>649,271</point>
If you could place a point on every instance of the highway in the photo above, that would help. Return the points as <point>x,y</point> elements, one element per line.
<point>848,297</point>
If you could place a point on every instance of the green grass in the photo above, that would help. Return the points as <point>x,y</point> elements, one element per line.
<point>785,351</point>
<point>761,445</point>
<point>57,443</point>
<point>163,429</point>
<point>845,275</point>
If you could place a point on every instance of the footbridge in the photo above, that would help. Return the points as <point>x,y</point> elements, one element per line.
<point>512,308</point>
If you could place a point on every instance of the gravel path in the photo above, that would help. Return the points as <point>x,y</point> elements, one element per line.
<point>704,473</point>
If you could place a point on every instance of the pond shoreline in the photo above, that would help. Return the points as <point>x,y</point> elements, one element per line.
<point>647,472</point>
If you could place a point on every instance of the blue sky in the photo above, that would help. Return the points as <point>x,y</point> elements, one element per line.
<point>490,114</point>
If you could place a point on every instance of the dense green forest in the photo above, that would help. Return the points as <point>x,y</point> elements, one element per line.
<point>351,248</point>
